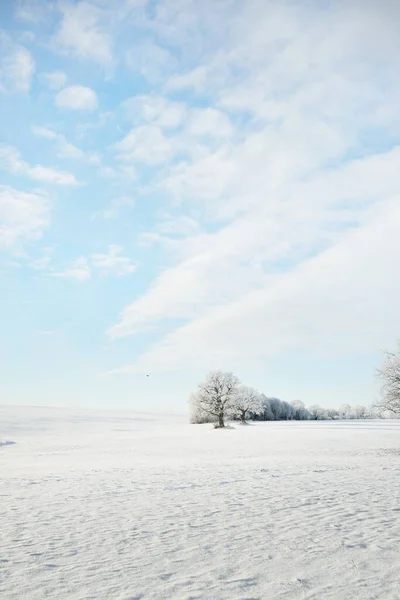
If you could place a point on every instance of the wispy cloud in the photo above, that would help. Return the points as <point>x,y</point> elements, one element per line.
<point>262,156</point>
<point>270,170</point>
<point>83,32</point>
<point>76,97</point>
<point>64,148</point>
<point>166,130</point>
<point>151,60</point>
<point>55,79</point>
<point>195,79</point>
<point>113,263</point>
<point>33,11</point>
<point>145,144</point>
<point>115,208</point>
<point>23,216</point>
<point>10,160</point>
<point>43,263</point>
<point>78,270</point>
<point>17,67</point>
<point>158,110</point>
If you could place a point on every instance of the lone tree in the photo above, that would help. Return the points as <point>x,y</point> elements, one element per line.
<point>247,400</point>
<point>215,396</point>
<point>389,373</point>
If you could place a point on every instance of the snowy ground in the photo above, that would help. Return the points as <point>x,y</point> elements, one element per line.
<point>127,507</point>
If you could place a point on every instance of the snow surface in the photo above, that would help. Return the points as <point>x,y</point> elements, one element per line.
<point>112,506</point>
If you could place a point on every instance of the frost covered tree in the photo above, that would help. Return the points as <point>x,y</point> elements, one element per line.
<point>360,412</point>
<point>276,408</point>
<point>266,413</point>
<point>332,413</point>
<point>389,373</point>
<point>197,414</point>
<point>317,412</point>
<point>300,413</point>
<point>247,400</point>
<point>345,411</point>
<point>215,396</point>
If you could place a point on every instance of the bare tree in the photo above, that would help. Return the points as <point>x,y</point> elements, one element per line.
<point>215,396</point>
<point>389,373</point>
<point>247,400</point>
<point>197,414</point>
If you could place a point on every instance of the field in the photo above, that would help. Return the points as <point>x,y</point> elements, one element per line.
<point>113,506</point>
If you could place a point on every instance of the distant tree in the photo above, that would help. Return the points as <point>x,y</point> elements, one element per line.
<point>215,396</point>
<point>317,412</point>
<point>276,408</point>
<point>360,411</point>
<point>300,413</point>
<point>389,373</point>
<point>332,413</point>
<point>247,400</point>
<point>287,411</point>
<point>266,413</point>
<point>371,412</point>
<point>345,411</point>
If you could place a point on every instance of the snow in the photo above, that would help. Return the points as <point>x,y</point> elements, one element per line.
<point>121,506</point>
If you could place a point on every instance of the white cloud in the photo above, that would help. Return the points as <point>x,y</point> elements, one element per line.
<point>55,79</point>
<point>209,122</point>
<point>65,149</point>
<point>151,61</point>
<point>11,161</point>
<point>330,305</point>
<point>79,270</point>
<point>195,79</point>
<point>220,267</point>
<point>115,208</point>
<point>83,32</point>
<point>108,172</point>
<point>23,216</point>
<point>145,144</point>
<point>156,109</point>
<point>180,226</point>
<point>166,130</point>
<point>42,263</point>
<point>169,231</point>
<point>17,67</point>
<point>77,97</point>
<point>33,11</point>
<point>275,170</point>
<point>287,177</point>
<point>113,263</point>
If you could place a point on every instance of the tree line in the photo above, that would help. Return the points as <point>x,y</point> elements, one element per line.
<point>221,397</point>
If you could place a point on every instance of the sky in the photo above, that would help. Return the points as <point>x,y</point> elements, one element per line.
<point>188,186</point>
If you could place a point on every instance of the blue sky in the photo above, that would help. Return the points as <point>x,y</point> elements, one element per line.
<point>187,186</point>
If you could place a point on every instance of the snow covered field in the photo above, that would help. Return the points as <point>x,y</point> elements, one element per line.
<point>112,506</point>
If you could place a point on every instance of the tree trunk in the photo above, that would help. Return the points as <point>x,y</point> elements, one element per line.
<point>221,422</point>
<point>243,416</point>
